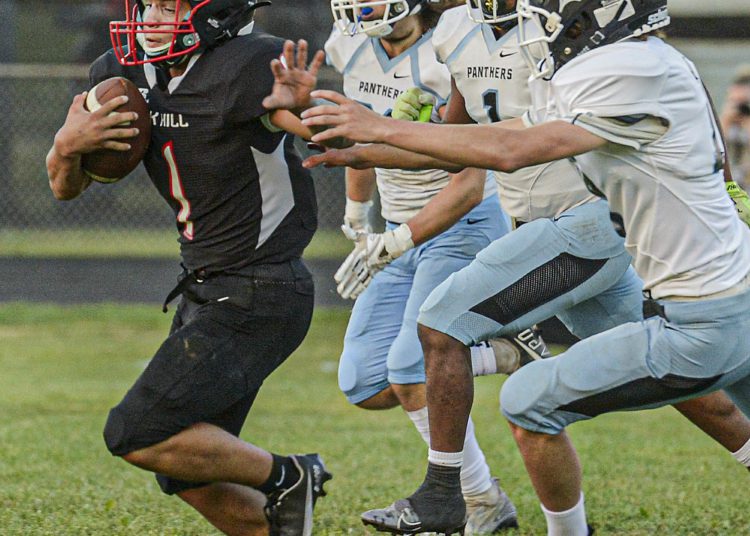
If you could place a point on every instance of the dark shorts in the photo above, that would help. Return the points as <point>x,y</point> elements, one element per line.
<point>228,335</point>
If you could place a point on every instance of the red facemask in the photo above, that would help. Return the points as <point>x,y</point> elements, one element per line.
<point>130,38</point>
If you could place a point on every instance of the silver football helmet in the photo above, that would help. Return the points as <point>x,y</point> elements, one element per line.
<point>565,29</point>
<point>354,16</point>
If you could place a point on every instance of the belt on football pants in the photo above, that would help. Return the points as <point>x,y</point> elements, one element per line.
<point>187,278</point>
<point>653,308</point>
<point>201,285</point>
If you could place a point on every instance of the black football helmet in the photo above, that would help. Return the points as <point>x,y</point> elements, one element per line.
<point>560,30</point>
<point>207,24</point>
<point>351,16</point>
<point>491,11</point>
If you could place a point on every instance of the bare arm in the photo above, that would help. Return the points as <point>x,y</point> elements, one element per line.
<point>84,132</point>
<point>294,81</point>
<point>366,156</point>
<point>484,146</point>
<point>464,192</point>
<point>360,184</point>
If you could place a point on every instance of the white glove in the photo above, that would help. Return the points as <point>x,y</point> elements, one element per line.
<point>372,252</point>
<point>384,248</point>
<point>356,228</point>
<point>353,276</point>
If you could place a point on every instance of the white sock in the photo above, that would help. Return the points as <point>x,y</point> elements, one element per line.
<point>421,420</point>
<point>446,459</point>
<point>743,455</point>
<point>483,360</point>
<point>475,474</point>
<point>568,523</point>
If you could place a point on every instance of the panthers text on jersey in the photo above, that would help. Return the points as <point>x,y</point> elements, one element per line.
<point>664,161</point>
<point>492,77</point>
<point>238,191</point>
<point>375,80</point>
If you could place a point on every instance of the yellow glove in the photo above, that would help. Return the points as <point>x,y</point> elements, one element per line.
<point>741,201</point>
<point>414,105</point>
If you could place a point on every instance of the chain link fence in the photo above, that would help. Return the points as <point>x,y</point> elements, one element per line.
<point>128,216</point>
<point>45,49</point>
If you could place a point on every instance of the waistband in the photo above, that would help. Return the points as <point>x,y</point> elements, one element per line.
<point>712,309</point>
<point>737,288</point>
<point>292,272</point>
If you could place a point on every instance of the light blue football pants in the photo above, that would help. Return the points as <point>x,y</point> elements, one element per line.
<point>700,347</point>
<point>574,266</point>
<point>381,346</point>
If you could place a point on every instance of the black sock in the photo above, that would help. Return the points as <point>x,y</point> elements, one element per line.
<point>438,501</point>
<point>284,475</point>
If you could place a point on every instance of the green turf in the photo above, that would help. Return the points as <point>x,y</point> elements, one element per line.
<point>62,368</point>
<point>326,244</point>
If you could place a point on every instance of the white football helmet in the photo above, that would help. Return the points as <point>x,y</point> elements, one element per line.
<point>351,16</point>
<point>490,11</point>
<point>565,29</point>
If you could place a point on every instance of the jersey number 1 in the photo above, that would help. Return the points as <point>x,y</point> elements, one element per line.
<point>177,191</point>
<point>490,105</point>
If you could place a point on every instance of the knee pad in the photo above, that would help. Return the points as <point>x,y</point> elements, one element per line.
<point>512,403</point>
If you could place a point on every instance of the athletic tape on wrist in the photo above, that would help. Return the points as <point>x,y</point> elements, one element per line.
<point>357,213</point>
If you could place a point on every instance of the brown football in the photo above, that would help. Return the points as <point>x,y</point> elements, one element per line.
<point>106,165</point>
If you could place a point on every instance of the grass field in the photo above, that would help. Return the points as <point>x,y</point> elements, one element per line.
<point>326,244</point>
<point>62,368</point>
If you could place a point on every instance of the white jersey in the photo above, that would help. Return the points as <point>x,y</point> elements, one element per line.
<point>375,80</point>
<point>661,171</point>
<point>493,78</point>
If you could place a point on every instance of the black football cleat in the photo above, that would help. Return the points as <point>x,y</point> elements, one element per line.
<point>532,346</point>
<point>290,511</point>
<point>513,352</point>
<point>400,518</point>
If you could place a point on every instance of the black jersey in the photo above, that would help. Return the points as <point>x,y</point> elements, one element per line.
<point>239,192</point>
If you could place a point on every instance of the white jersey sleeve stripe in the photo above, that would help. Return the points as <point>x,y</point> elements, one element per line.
<point>353,60</point>
<point>461,46</point>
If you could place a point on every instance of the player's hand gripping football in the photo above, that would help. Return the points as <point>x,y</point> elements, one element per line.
<point>294,80</point>
<point>344,118</point>
<point>85,132</point>
<point>741,201</point>
<point>414,104</point>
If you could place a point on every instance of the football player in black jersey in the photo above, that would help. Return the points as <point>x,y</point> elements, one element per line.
<point>245,210</point>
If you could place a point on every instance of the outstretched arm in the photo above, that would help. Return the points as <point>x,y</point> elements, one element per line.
<point>483,146</point>
<point>378,155</point>
<point>389,157</point>
<point>464,192</point>
<point>294,81</point>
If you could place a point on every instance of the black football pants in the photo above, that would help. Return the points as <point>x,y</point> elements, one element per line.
<point>228,335</point>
